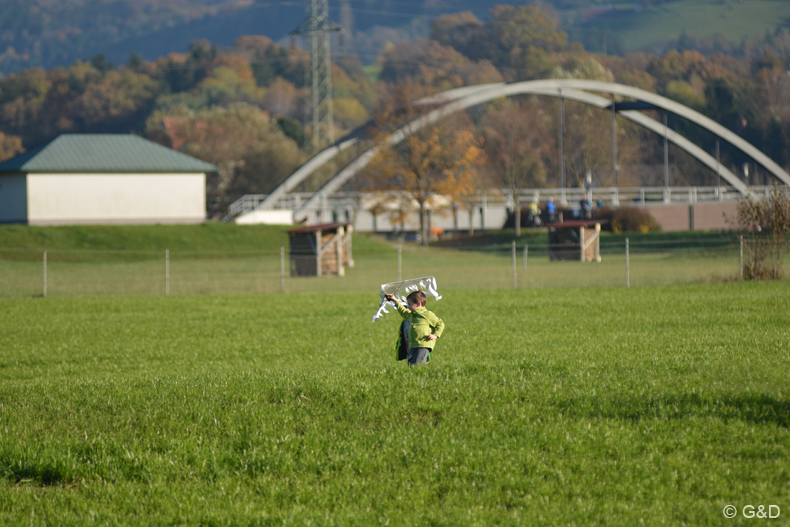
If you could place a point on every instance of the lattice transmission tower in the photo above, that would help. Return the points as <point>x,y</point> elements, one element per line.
<point>316,28</point>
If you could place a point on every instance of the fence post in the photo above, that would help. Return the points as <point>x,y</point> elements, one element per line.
<point>318,240</point>
<point>740,260</point>
<point>45,274</point>
<point>526,253</point>
<point>513,251</point>
<point>339,252</point>
<point>627,264</point>
<point>167,272</point>
<point>400,260</point>
<point>282,269</point>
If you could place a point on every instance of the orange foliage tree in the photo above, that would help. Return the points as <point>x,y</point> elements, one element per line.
<point>10,146</point>
<point>250,151</point>
<point>438,159</point>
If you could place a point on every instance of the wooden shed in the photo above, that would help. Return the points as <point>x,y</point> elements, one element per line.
<point>575,240</point>
<point>321,250</point>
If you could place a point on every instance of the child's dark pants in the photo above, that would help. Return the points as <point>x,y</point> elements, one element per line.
<point>418,356</point>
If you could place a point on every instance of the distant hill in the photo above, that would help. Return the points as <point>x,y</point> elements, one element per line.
<point>713,25</point>
<point>50,33</point>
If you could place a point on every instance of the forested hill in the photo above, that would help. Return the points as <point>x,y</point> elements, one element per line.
<point>52,33</point>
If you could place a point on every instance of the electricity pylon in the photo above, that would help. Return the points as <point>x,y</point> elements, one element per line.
<point>317,27</point>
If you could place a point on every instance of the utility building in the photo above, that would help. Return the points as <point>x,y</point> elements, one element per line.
<point>321,250</point>
<point>102,178</point>
<point>575,240</point>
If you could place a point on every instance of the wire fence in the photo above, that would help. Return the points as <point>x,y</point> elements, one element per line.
<point>60,273</point>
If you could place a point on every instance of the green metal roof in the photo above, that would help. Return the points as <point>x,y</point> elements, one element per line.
<point>104,153</point>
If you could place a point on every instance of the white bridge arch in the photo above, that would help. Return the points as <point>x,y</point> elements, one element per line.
<point>579,90</point>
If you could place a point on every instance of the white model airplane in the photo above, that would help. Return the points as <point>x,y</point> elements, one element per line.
<point>401,290</point>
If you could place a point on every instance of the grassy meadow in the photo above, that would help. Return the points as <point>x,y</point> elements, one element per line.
<point>229,259</point>
<point>654,405</point>
<point>210,236</point>
<point>260,272</point>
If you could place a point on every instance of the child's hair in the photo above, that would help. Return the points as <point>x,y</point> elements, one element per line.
<point>417,297</point>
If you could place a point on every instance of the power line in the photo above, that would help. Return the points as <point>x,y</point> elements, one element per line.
<point>353,9</point>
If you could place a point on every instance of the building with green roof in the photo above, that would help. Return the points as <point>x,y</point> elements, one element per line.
<point>102,178</point>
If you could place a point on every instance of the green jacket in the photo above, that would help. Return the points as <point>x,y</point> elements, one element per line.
<point>423,323</point>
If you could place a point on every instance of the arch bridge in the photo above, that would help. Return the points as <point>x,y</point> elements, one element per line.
<point>584,91</point>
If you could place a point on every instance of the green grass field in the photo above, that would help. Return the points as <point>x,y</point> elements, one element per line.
<point>655,406</point>
<point>72,273</point>
<point>734,18</point>
<point>211,236</point>
<point>130,260</point>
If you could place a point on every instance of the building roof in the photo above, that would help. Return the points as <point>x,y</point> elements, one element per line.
<point>575,224</point>
<point>104,153</point>
<point>316,228</point>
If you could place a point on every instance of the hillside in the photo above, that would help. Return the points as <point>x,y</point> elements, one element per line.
<point>49,33</point>
<point>698,24</point>
<point>205,237</point>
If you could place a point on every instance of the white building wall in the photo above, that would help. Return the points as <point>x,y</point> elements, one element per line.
<point>57,199</point>
<point>267,217</point>
<point>13,198</point>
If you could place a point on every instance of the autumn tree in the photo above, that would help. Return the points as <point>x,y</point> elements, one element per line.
<point>270,60</point>
<point>519,40</point>
<point>461,31</point>
<point>350,82</point>
<point>22,97</point>
<point>252,153</point>
<point>433,160</point>
<point>429,63</point>
<point>587,130</point>
<point>523,38</point>
<point>181,72</point>
<point>116,101</point>
<point>630,70</point>
<point>516,137</point>
<point>37,105</point>
<point>229,79</point>
<point>774,90</point>
<point>283,99</point>
<point>10,146</point>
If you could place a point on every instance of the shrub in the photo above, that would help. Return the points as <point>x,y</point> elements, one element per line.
<point>768,223</point>
<point>628,219</point>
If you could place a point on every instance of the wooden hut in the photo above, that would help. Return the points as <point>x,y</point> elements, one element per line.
<point>321,250</point>
<point>575,240</point>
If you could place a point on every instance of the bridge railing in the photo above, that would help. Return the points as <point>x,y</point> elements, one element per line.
<point>610,195</point>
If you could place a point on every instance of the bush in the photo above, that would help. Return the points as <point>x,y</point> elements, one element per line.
<point>767,224</point>
<point>628,219</point>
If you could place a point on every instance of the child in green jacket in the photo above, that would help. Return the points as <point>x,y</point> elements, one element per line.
<point>425,327</point>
